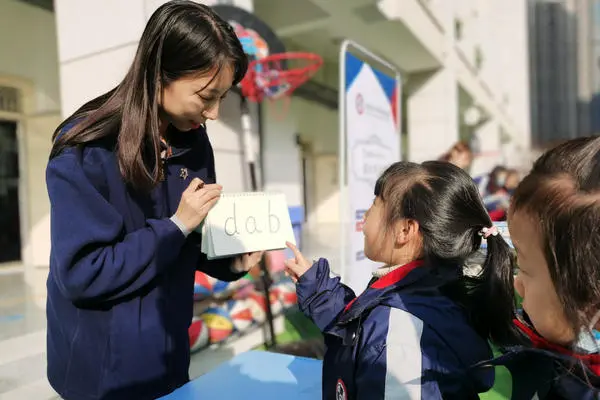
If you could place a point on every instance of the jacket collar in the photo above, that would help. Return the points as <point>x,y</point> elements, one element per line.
<point>591,361</point>
<point>540,365</point>
<point>375,294</point>
<point>544,368</point>
<point>182,142</point>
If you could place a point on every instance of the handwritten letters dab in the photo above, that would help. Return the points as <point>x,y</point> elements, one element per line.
<point>246,222</point>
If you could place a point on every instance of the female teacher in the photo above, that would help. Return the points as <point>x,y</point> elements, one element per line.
<point>131,175</point>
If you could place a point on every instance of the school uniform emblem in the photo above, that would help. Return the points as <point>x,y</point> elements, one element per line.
<point>340,391</point>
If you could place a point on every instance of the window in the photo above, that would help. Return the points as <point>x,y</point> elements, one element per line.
<point>478,57</point>
<point>9,99</point>
<point>596,19</point>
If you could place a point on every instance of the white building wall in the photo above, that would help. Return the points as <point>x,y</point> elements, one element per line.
<point>503,37</point>
<point>499,29</point>
<point>281,154</point>
<point>516,62</point>
<point>433,117</point>
<point>28,44</point>
<point>500,86</point>
<point>318,127</point>
<point>488,138</point>
<point>432,109</point>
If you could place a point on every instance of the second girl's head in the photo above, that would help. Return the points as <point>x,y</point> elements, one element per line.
<point>187,59</point>
<point>497,179</point>
<point>434,211</point>
<point>554,224</point>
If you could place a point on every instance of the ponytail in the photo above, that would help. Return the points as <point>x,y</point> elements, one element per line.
<point>491,294</point>
<point>445,201</point>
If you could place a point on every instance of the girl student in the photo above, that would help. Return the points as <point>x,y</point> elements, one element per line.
<point>130,176</point>
<point>421,322</point>
<point>554,226</point>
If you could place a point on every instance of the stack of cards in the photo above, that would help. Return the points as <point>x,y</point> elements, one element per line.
<point>246,222</point>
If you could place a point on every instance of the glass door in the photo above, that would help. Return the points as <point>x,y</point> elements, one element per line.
<point>10,226</point>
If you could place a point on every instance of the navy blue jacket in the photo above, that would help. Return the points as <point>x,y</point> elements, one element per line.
<point>120,287</point>
<point>400,339</point>
<point>542,370</point>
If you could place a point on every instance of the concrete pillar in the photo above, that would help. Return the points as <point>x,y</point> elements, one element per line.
<point>432,104</point>
<point>433,116</point>
<point>489,152</point>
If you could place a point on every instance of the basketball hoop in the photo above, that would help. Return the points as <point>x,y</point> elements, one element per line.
<point>278,75</point>
<point>269,76</point>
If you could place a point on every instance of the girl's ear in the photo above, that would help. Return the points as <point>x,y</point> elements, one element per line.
<point>405,231</point>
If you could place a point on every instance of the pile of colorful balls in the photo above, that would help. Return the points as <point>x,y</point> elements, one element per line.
<point>231,309</point>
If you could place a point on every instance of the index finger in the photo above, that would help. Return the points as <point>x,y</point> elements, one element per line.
<point>295,250</point>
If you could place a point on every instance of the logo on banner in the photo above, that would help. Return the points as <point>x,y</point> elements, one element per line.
<point>360,103</point>
<point>340,391</point>
<point>373,110</point>
<point>360,255</point>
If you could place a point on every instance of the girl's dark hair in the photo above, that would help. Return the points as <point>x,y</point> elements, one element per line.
<point>180,39</point>
<point>562,194</point>
<point>446,203</point>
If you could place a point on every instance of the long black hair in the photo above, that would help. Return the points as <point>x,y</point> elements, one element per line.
<point>446,203</point>
<point>181,38</point>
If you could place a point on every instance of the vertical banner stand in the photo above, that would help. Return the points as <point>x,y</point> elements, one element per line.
<point>369,141</point>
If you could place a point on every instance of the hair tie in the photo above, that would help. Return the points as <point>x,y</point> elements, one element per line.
<point>487,232</point>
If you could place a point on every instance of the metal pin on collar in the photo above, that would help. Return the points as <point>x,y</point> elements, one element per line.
<point>183,173</point>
